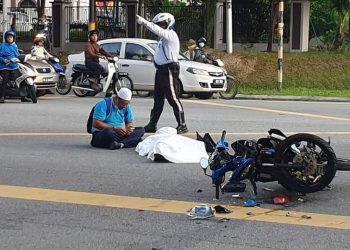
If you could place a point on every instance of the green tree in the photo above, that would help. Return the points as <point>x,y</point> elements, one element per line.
<point>342,8</point>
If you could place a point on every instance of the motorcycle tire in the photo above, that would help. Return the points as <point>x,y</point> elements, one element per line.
<point>32,93</point>
<point>78,92</point>
<point>63,87</point>
<point>314,152</point>
<point>123,82</point>
<point>231,90</point>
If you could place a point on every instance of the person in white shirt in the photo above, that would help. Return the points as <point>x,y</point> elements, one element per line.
<point>39,50</point>
<point>168,69</point>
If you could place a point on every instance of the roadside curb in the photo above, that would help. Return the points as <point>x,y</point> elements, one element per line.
<point>292,98</point>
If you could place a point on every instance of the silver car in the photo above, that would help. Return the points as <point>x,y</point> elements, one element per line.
<point>47,77</point>
<point>136,58</point>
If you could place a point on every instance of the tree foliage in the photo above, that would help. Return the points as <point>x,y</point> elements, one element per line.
<point>328,21</point>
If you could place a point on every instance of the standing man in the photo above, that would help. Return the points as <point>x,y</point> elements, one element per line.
<point>113,123</point>
<point>168,69</point>
<point>93,52</point>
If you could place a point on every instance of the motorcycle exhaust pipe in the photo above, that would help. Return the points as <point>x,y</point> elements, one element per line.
<point>81,88</point>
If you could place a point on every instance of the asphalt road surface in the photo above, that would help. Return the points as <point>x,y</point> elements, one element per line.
<point>57,192</point>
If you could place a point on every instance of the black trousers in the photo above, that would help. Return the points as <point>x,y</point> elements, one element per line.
<point>103,138</point>
<point>6,76</point>
<point>95,68</point>
<point>166,86</point>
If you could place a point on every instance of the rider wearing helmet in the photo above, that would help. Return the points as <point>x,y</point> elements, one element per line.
<point>168,69</point>
<point>8,51</point>
<point>199,53</point>
<point>39,50</point>
<point>93,52</point>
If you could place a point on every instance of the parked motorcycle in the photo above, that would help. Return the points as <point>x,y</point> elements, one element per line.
<point>111,81</point>
<point>301,162</point>
<point>24,81</point>
<point>63,87</point>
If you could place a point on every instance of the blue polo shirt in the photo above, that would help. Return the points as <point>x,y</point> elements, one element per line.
<point>116,118</point>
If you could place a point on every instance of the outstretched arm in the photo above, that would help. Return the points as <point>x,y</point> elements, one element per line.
<point>163,33</point>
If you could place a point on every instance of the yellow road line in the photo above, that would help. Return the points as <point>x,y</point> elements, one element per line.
<point>172,206</point>
<point>13,134</point>
<point>270,110</point>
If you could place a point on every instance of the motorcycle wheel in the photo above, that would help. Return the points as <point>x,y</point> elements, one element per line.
<point>32,93</point>
<point>204,95</point>
<point>231,90</point>
<point>317,157</point>
<point>123,82</point>
<point>79,92</point>
<point>63,87</point>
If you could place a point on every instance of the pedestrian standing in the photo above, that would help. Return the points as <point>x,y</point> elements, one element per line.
<point>168,69</point>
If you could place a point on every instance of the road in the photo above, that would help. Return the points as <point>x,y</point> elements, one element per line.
<point>57,192</point>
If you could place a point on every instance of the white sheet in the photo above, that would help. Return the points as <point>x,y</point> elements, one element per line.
<point>173,147</point>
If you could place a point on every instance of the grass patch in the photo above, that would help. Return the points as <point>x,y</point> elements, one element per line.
<point>295,92</point>
<point>309,73</point>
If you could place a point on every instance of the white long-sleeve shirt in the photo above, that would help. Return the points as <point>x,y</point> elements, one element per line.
<point>168,47</point>
<point>40,53</point>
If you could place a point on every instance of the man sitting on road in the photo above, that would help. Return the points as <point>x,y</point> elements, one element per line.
<point>115,130</point>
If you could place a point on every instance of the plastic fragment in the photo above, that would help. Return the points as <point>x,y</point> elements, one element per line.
<point>250,203</point>
<point>222,210</point>
<point>305,216</point>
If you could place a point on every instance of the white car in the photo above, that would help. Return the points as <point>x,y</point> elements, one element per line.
<point>136,58</point>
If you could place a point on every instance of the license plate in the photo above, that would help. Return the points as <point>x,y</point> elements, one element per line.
<point>219,81</point>
<point>47,79</point>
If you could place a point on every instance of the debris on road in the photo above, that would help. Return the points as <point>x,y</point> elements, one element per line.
<point>201,212</point>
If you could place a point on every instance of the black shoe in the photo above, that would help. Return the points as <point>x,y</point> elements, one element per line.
<point>150,128</point>
<point>116,145</point>
<point>181,129</point>
<point>25,99</point>
<point>2,100</point>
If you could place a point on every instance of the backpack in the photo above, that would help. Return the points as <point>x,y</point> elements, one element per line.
<point>108,111</point>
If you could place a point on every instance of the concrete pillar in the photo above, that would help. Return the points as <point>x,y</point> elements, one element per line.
<point>60,29</point>
<point>131,10</point>
<point>4,24</point>
<point>299,25</point>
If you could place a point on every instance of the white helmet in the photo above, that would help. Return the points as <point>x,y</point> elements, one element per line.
<point>165,18</point>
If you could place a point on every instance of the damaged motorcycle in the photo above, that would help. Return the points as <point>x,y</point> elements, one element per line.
<point>301,162</point>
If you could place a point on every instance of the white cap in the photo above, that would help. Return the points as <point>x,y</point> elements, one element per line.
<point>125,94</point>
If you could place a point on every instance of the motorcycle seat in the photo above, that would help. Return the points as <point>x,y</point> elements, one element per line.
<point>81,68</point>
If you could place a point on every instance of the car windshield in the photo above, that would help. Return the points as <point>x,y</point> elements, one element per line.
<point>154,46</point>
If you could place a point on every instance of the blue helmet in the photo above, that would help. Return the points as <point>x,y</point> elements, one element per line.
<point>10,33</point>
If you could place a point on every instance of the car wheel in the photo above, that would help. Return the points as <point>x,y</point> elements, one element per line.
<point>181,92</point>
<point>143,93</point>
<point>204,96</point>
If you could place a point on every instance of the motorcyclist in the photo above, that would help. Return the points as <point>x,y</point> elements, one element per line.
<point>39,50</point>
<point>8,69</point>
<point>93,52</point>
<point>200,55</point>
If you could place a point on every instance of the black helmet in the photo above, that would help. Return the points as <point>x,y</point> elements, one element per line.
<point>93,32</point>
<point>10,33</point>
<point>202,40</point>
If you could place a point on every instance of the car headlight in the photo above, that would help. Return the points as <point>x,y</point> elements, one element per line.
<point>197,71</point>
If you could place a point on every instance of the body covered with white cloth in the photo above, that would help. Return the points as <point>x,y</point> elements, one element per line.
<point>173,147</point>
